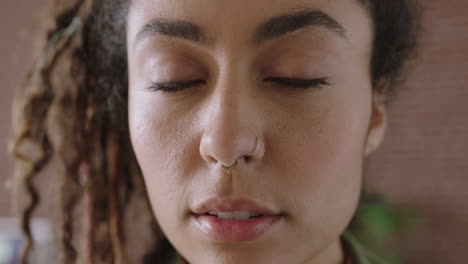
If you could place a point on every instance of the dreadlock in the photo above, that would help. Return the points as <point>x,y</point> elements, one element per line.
<point>72,109</point>
<point>78,120</point>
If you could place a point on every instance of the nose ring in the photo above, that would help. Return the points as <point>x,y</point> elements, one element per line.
<point>229,169</point>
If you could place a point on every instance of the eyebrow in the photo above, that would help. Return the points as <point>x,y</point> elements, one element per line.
<point>288,23</point>
<point>172,28</point>
<point>274,27</point>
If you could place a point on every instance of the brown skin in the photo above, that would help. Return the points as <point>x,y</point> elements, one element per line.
<point>313,142</point>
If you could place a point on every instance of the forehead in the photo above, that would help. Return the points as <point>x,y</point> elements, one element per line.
<point>233,21</point>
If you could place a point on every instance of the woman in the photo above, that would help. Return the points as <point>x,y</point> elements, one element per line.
<point>210,131</point>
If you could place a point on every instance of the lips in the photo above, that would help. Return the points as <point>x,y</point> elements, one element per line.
<point>234,220</point>
<point>220,205</point>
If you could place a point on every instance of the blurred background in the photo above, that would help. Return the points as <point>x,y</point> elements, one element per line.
<point>422,166</point>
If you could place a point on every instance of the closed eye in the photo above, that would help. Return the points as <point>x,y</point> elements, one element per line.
<point>298,83</point>
<point>172,87</point>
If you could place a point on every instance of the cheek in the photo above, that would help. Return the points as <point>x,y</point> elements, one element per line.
<point>323,157</point>
<point>159,146</point>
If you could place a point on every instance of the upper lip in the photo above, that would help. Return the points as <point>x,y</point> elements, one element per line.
<point>239,205</point>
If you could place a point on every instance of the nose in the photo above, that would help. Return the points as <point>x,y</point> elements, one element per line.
<point>232,128</point>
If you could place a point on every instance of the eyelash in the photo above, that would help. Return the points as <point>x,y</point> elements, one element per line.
<point>175,86</point>
<point>299,83</point>
<point>296,83</point>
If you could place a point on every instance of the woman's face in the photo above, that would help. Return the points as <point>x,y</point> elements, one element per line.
<point>285,81</point>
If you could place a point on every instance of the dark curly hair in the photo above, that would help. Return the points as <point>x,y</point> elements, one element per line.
<point>72,108</point>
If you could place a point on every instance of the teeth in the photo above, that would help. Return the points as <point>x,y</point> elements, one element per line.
<point>254,214</point>
<point>234,215</point>
<point>241,215</point>
<point>226,215</point>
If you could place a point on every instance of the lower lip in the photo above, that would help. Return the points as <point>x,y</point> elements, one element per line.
<point>235,230</point>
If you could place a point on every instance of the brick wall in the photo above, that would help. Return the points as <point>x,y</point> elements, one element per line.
<point>423,163</point>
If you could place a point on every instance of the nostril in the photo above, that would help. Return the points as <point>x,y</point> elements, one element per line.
<point>211,159</point>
